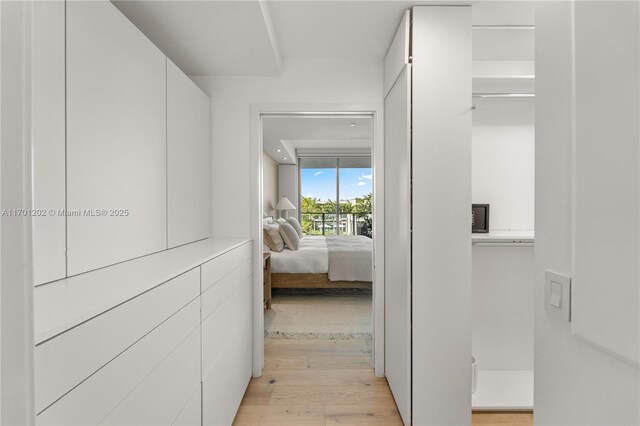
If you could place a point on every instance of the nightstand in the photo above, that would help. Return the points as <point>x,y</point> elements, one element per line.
<point>266,264</point>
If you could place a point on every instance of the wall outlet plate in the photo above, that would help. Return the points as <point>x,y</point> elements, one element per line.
<point>557,295</point>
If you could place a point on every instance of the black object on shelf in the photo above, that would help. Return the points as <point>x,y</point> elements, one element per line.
<point>480,218</point>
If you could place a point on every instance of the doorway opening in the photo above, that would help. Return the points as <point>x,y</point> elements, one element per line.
<point>317,193</point>
<point>316,206</point>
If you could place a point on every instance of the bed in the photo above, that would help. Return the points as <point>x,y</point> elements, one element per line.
<point>325,262</point>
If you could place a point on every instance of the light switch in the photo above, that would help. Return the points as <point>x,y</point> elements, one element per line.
<point>555,299</point>
<point>557,295</point>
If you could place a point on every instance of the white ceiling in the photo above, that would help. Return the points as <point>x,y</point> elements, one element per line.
<point>208,37</point>
<point>336,29</point>
<point>212,37</point>
<point>291,133</point>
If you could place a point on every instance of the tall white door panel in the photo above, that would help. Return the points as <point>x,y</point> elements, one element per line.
<point>605,307</point>
<point>116,139</point>
<point>441,243</point>
<point>188,160</point>
<point>48,135</point>
<point>397,269</point>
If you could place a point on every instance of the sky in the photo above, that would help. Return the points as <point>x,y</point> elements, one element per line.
<point>321,183</point>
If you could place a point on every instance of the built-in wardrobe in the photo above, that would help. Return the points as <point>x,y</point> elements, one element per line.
<point>459,131</point>
<point>427,187</point>
<point>140,316</point>
<point>503,175</point>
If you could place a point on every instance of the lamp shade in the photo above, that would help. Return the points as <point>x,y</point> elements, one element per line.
<point>285,204</point>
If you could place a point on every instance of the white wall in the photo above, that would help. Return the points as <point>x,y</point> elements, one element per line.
<point>270,177</point>
<point>302,81</point>
<point>16,356</point>
<point>574,383</point>
<point>503,161</point>
<point>288,181</point>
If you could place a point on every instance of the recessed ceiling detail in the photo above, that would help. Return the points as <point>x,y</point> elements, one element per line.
<point>283,136</point>
<point>209,37</point>
<point>253,38</point>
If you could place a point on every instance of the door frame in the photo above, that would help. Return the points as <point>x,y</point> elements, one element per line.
<point>258,111</point>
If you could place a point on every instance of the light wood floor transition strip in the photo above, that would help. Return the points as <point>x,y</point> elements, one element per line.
<point>329,382</point>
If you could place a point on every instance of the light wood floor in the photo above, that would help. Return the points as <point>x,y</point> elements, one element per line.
<point>502,419</point>
<point>329,382</point>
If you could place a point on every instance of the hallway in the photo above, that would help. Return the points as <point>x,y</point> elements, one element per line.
<point>318,382</point>
<point>329,382</point>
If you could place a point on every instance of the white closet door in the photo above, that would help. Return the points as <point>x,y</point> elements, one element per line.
<point>116,138</point>
<point>188,160</point>
<point>397,154</point>
<point>48,133</point>
<point>606,290</point>
<point>441,211</point>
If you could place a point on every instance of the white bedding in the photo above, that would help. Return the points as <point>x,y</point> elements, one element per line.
<point>344,258</point>
<point>311,258</point>
<point>350,258</point>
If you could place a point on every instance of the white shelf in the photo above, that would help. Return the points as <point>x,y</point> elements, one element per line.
<point>504,84</point>
<point>503,390</point>
<point>503,77</point>
<point>504,237</point>
<point>61,305</point>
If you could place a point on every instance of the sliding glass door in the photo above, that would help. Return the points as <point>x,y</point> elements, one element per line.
<point>336,195</point>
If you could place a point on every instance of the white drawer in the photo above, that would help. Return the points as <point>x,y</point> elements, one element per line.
<point>191,413</point>
<point>218,293</point>
<point>64,361</point>
<point>231,319</point>
<point>160,397</point>
<point>215,269</point>
<point>98,395</point>
<point>225,385</point>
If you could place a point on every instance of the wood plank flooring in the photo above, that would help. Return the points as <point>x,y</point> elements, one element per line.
<point>329,382</point>
<point>502,418</point>
<point>318,382</point>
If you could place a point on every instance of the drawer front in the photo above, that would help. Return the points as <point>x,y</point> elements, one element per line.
<point>159,399</point>
<point>191,413</point>
<point>231,319</point>
<point>225,383</point>
<point>98,395</point>
<point>66,360</point>
<point>216,295</point>
<point>217,268</point>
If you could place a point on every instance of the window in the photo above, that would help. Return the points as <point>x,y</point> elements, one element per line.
<point>324,181</point>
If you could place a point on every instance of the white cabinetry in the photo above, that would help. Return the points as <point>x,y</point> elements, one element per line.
<point>188,160</point>
<point>428,164</point>
<point>129,159</point>
<point>116,138</point>
<point>151,358</point>
<point>397,269</point>
<point>60,366</point>
<point>226,334</point>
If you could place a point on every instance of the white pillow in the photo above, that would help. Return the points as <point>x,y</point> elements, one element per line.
<point>272,238</point>
<point>290,236</point>
<point>296,225</point>
<point>281,220</point>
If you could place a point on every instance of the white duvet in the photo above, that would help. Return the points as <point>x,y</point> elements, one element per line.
<point>344,258</point>
<point>311,258</point>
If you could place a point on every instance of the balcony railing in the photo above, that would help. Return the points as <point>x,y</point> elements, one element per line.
<point>318,223</point>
